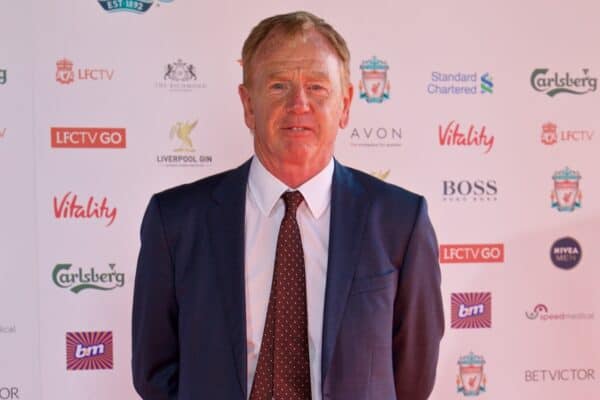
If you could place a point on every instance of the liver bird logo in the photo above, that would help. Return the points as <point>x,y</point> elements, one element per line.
<point>183,131</point>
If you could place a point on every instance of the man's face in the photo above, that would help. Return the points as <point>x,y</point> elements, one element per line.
<point>295,101</point>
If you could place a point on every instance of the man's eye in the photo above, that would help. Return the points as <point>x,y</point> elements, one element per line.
<point>315,87</point>
<point>277,86</point>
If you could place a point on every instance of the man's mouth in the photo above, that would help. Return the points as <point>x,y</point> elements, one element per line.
<point>298,129</point>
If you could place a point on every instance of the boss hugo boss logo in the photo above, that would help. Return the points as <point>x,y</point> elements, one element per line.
<point>469,190</point>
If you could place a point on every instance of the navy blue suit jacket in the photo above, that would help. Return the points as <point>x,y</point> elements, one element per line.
<point>383,317</point>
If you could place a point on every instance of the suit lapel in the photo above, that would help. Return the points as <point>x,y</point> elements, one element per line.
<point>226,227</point>
<point>349,207</point>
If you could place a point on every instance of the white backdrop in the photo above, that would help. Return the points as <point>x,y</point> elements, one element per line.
<point>91,102</point>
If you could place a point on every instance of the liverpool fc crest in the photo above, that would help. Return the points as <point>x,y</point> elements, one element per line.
<point>566,195</point>
<point>471,380</point>
<point>374,86</point>
<point>64,71</point>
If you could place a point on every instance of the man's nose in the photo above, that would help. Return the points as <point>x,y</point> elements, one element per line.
<point>298,100</point>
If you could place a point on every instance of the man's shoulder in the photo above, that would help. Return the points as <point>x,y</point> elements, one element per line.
<point>380,190</point>
<point>200,191</point>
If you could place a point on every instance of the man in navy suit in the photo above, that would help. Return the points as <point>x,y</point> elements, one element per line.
<point>374,315</point>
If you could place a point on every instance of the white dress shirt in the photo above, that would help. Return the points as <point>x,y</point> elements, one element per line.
<point>264,212</point>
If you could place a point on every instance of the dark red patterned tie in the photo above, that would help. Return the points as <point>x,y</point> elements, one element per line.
<point>283,371</point>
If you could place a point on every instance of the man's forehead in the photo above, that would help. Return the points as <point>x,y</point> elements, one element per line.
<point>280,42</point>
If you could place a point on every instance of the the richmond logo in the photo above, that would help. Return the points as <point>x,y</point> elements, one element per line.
<point>3,76</point>
<point>566,195</point>
<point>471,253</point>
<point>134,6</point>
<point>452,134</point>
<point>471,310</point>
<point>553,83</point>
<point>552,135</point>
<point>374,86</point>
<point>77,280</point>
<point>565,253</point>
<point>541,312</point>
<point>460,83</point>
<point>183,154</point>
<point>376,137</point>
<point>66,73</point>
<point>469,190</point>
<point>89,350</point>
<point>101,138</point>
<point>471,380</point>
<point>180,76</point>
<point>68,206</point>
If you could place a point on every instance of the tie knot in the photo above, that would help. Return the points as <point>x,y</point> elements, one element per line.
<point>292,200</point>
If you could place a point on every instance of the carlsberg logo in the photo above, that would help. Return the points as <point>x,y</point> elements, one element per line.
<point>553,83</point>
<point>80,279</point>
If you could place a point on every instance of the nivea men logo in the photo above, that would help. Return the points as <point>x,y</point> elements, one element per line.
<point>557,82</point>
<point>565,253</point>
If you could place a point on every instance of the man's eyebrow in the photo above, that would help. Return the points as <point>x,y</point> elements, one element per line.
<point>286,72</point>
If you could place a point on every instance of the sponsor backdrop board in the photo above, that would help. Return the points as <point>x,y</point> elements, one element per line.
<point>490,111</point>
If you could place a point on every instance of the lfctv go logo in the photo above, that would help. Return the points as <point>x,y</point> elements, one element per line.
<point>114,138</point>
<point>472,253</point>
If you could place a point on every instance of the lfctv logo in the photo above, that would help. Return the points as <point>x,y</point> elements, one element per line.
<point>91,138</point>
<point>472,253</point>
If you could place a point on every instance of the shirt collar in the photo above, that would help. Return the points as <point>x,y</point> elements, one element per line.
<point>266,189</point>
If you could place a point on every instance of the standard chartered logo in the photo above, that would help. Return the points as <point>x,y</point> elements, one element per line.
<point>81,278</point>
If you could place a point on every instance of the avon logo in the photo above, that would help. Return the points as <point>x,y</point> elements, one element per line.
<point>452,135</point>
<point>69,207</point>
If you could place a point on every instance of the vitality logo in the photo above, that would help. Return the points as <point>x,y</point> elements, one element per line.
<point>134,6</point>
<point>81,279</point>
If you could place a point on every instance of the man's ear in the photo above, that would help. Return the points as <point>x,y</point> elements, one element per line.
<point>247,104</point>
<point>347,101</point>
